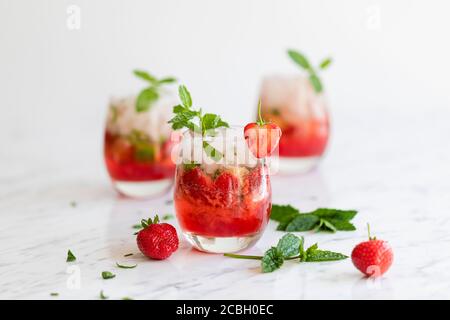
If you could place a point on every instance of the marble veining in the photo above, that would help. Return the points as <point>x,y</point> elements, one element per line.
<point>392,167</point>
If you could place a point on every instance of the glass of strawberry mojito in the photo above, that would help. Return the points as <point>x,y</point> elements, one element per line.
<point>138,140</point>
<point>298,106</point>
<point>222,191</point>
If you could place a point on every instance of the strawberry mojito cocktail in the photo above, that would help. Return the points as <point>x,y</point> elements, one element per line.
<point>222,187</point>
<point>138,145</point>
<point>297,104</point>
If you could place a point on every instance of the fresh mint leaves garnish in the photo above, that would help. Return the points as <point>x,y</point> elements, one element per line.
<point>303,62</point>
<point>150,94</point>
<point>195,120</point>
<point>103,296</point>
<point>108,275</point>
<point>290,247</point>
<point>70,256</point>
<point>126,266</point>
<point>323,219</point>
<point>185,96</point>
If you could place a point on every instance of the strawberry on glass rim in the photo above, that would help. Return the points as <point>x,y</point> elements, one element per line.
<point>262,138</point>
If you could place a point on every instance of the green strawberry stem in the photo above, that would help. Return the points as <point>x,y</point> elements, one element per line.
<point>260,122</point>
<point>368,232</point>
<point>242,256</point>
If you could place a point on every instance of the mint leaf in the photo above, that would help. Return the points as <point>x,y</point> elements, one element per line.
<point>342,225</point>
<point>325,63</point>
<point>145,76</point>
<point>323,255</point>
<point>335,213</point>
<point>70,256</point>
<point>302,222</point>
<point>322,219</point>
<point>128,255</point>
<point>107,275</point>
<point>283,213</point>
<point>125,266</point>
<point>316,83</point>
<point>145,99</point>
<point>137,226</point>
<point>272,260</point>
<point>212,152</point>
<point>212,121</point>
<point>300,59</point>
<point>102,296</point>
<point>54,294</point>
<point>167,80</point>
<point>185,96</point>
<point>289,245</point>
<point>327,225</point>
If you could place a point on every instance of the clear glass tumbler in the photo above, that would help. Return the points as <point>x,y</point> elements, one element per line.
<point>222,198</point>
<point>302,115</point>
<point>137,146</point>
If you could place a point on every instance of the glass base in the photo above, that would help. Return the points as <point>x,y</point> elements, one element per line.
<point>289,165</point>
<point>142,189</point>
<point>221,244</point>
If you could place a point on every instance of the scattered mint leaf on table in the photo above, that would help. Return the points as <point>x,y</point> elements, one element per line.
<point>167,216</point>
<point>70,256</point>
<point>323,219</point>
<point>102,295</point>
<point>127,298</point>
<point>283,213</point>
<point>302,222</point>
<point>126,266</point>
<point>272,260</point>
<point>54,294</point>
<point>290,247</point>
<point>107,275</point>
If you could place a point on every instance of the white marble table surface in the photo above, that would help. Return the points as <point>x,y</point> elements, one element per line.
<point>392,167</point>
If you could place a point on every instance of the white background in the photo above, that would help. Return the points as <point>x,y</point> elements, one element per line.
<point>55,82</point>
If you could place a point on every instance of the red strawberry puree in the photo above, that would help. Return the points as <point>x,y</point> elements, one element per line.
<point>233,202</point>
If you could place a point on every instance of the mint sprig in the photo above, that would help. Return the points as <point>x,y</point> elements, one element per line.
<point>150,94</point>
<point>70,256</point>
<point>323,219</point>
<point>290,247</point>
<point>304,63</point>
<point>196,121</point>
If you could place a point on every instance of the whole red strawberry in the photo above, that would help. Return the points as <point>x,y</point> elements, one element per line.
<point>157,240</point>
<point>262,138</point>
<point>373,257</point>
